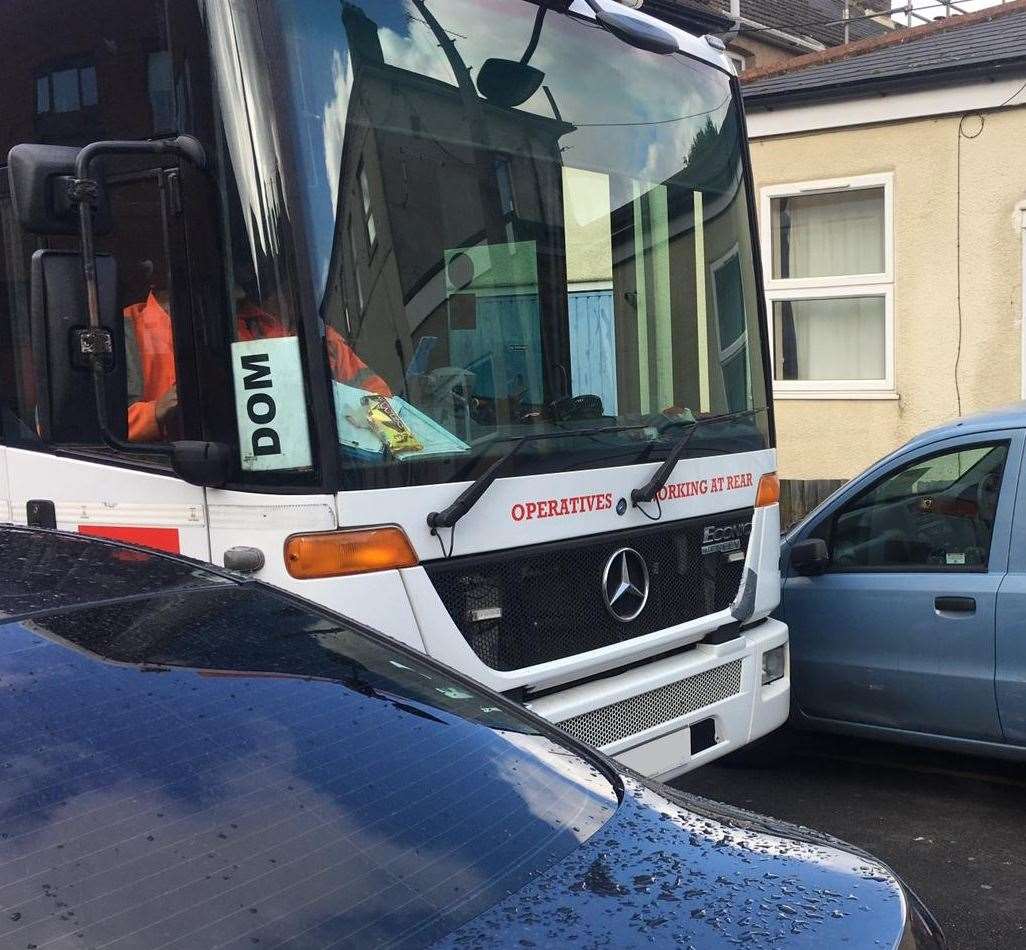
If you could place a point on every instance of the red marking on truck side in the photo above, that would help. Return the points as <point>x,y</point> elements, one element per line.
<point>162,539</point>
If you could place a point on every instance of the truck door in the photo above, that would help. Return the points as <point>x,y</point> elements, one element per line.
<point>899,632</point>
<point>87,488</point>
<point>107,76</point>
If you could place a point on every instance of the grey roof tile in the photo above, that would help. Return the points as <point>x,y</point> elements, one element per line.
<point>1000,42</point>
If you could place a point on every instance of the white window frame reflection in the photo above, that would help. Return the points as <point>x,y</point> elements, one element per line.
<point>733,347</point>
<point>739,60</point>
<point>835,287</point>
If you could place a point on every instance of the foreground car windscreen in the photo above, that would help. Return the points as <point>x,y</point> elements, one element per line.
<point>225,768</point>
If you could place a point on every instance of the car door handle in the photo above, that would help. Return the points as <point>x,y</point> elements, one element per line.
<point>956,605</point>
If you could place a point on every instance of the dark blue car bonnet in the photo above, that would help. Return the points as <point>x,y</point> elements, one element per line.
<point>659,874</point>
<point>220,766</point>
<point>143,806</point>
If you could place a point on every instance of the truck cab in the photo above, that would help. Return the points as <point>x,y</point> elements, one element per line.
<point>439,313</point>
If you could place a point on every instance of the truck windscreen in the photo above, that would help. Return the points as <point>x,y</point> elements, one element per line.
<point>520,223</point>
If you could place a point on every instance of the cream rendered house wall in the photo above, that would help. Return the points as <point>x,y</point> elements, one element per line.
<point>837,438</point>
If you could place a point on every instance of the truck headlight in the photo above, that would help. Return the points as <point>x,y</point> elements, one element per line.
<point>774,664</point>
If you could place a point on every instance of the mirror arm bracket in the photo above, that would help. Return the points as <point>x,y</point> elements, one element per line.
<point>82,191</point>
<point>210,460</point>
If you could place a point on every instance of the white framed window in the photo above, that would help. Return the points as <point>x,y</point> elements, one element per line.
<point>828,253</point>
<point>731,327</point>
<point>738,59</point>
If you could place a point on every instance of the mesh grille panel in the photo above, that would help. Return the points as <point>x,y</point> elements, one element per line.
<point>630,716</point>
<point>544,602</point>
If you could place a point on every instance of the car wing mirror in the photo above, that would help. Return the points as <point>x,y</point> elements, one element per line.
<point>206,464</point>
<point>809,557</point>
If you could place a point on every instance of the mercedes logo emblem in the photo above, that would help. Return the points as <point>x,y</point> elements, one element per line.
<point>625,584</point>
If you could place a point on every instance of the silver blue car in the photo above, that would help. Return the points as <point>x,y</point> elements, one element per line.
<point>905,594</point>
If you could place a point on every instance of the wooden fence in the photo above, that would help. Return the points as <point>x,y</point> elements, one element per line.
<point>799,496</point>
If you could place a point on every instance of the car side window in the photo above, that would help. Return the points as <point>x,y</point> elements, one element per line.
<point>935,513</point>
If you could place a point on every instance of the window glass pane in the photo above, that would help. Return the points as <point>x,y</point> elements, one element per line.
<point>731,325</point>
<point>138,244</point>
<point>42,94</point>
<point>831,338</point>
<point>364,190</point>
<point>829,235</point>
<point>543,263</point>
<point>730,302</point>
<point>589,270</point>
<point>737,386</point>
<point>372,232</point>
<point>934,513</point>
<point>159,85</point>
<point>355,263</point>
<point>65,90</point>
<point>87,78</point>
<point>368,215</point>
<point>18,375</point>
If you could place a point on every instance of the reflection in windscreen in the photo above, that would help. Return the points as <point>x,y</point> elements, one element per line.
<point>521,223</point>
<point>241,631</point>
<point>223,768</point>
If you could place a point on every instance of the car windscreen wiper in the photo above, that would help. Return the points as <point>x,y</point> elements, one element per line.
<point>469,497</point>
<point>651,488</point>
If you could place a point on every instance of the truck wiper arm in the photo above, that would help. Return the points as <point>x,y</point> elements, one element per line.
<point>470,496</point>
<point>661,475</point>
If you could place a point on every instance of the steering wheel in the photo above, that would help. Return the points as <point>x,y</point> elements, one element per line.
<point>570,408</point>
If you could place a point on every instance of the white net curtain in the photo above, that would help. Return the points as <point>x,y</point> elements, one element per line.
<point>836,335</point>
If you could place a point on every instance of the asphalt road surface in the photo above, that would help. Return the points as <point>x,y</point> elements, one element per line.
<point>954,827</point>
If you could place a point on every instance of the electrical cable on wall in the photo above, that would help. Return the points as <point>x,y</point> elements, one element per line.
<point>962,134</point>
<point>1000,105</point>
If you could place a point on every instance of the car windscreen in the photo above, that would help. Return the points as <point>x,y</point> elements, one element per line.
<point>43,570</point>
<point>228,768</point>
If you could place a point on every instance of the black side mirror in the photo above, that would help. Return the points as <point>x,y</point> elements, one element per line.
<point>61,342</point>
<point>75,320</point>
<point>40,178</point>
<point>810,557</point>
<point>508,83</point>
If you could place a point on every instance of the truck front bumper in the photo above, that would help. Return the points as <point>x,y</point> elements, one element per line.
<point>672,715</point>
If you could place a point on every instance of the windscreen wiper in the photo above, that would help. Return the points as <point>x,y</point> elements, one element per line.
<point>470,496</point>
<point>651,488</point>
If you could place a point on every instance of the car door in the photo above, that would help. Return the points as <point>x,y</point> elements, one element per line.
<point>899,630</point>
<point>1010,651</point>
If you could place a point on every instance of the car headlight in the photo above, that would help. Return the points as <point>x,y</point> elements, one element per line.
<point>774,664</point>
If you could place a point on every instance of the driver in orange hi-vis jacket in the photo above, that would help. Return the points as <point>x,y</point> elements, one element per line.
<point>152,384</point>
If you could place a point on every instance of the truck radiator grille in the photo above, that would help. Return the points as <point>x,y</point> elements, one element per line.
<point>628,717</point>
<point>543,602</point>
